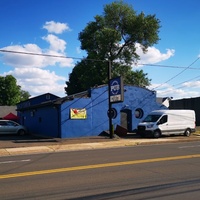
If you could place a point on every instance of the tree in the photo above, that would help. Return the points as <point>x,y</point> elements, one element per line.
<point>85,75</point>
<point>114,37</point>
<point>10,92</point>
<point>24,95</point>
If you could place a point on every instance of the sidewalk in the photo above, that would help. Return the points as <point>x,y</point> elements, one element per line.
<point>35,145</point>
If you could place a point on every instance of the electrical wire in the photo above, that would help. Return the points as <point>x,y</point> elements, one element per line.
<point>98,60</point>
<point>182,83</point>
<point>61,56</point>
<point>177,74</point>
<point>167,66</point>
<point>47,55</point>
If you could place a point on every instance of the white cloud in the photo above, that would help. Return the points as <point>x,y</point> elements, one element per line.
<point>178,93</point>
<point>153,55</point>
<point>29,70</point>
<point>56,27</point>
<point>38,81</point>
<point>194,84</point>
<point>56,44</point>
<point>162,86</point>
<point>184,90</point>
<point>56,48</point>
<point>22,60</point>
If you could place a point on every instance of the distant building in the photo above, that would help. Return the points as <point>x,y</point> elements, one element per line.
<point>5,110</point>
<point>189,103</point>
<point>85,113</point>
<point>165,101</point>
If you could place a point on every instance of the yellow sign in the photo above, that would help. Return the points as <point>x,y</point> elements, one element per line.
<point>76,113</point>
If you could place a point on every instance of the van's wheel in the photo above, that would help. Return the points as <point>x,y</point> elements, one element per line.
<point>156,134</point>
<point>188,132</point>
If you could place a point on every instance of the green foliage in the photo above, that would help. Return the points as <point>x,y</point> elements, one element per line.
<point>86,74</point>
<point>113,36</point>
<point>10,92</point>
<point>24,95</point>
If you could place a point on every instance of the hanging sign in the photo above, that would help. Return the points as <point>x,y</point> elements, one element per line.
<point>116,90</point>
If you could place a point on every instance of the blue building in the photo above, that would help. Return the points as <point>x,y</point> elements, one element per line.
<point>85,113</point>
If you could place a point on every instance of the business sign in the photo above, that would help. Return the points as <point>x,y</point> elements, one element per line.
<point>76,113</point>
<point>116,90</point>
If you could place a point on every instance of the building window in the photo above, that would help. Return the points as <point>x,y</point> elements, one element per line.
<point>139,113</point>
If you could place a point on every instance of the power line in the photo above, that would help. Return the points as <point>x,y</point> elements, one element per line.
<point>47,55</point>
<point>167,66</point>
<point>77,58</point>
<point>183,83</point>
<point>177,74</point>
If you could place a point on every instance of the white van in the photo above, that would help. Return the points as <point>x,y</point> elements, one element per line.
<point>168,122</point>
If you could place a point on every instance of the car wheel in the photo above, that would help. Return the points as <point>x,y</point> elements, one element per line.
<point>187,132</point>
<point>156,134</point>
<point>21,132</point>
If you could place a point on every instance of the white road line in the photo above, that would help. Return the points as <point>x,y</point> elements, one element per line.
<point>14,161</point>
<point>194,146</point>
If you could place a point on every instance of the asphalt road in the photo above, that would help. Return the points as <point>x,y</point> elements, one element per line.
<point>166,171</point>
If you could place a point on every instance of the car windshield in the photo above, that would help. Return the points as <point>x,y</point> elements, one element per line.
<point>152,118</point>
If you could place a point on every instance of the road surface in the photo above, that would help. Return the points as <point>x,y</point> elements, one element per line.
<point>167,171</point>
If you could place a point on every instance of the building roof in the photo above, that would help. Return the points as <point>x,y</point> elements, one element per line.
<point>57,101</point>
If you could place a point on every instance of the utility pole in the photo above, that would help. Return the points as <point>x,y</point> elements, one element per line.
<point>109,103</point>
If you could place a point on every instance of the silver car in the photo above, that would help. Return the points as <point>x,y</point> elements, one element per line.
<point>11,127</point>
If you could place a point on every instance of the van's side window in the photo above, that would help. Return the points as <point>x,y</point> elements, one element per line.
<point>163,119</point>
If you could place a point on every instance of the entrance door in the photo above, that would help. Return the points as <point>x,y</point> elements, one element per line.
<point>126,119</point>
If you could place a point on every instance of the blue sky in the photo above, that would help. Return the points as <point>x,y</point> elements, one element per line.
<point>52,27</point>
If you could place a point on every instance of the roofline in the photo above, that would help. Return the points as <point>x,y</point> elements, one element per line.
<point>56,102</point>
<point>38,96</point>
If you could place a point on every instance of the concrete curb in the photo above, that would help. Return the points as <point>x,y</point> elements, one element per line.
<point>88,146</point>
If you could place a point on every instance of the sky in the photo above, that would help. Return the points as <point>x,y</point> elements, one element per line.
<point>52,27</point>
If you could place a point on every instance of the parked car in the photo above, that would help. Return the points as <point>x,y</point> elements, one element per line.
<point>11,127</point>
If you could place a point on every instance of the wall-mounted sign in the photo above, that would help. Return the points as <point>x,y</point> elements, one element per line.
<point>76,113</point>
<point>116,90</point>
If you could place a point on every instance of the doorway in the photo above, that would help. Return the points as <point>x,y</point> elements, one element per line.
<point>126,119</point>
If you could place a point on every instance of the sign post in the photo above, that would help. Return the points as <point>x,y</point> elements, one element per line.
<point>109,103</point>
<point>115,95</point>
